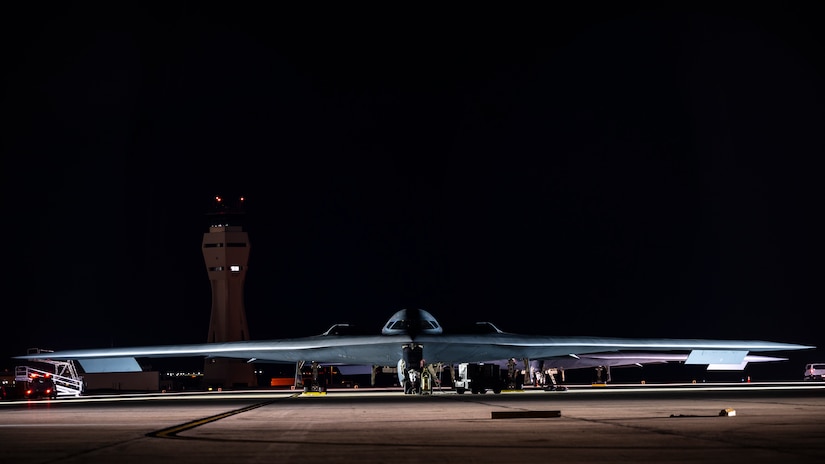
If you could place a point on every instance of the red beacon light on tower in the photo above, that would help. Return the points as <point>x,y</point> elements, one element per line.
<point>223,212</point>
<point>220,204</point>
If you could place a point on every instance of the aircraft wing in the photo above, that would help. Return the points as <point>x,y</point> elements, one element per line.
<point>387,350</point>
<point>477,348</point>
<point>417,330</point>
<point>367,349</point>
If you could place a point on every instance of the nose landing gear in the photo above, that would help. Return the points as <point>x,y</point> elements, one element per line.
<point>411,370</point>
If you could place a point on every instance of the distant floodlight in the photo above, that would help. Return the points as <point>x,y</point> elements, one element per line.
<point>235,268</point>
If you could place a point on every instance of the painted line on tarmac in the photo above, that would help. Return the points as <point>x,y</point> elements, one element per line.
<point>172,432</point>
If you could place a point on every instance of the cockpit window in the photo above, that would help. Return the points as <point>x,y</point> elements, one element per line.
<point>411,323</point>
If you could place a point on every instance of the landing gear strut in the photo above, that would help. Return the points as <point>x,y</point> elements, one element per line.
<point>410,368</point>
<point>599,371</point>
<point>314,385</point>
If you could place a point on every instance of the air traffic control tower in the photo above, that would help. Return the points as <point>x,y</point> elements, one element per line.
<point>226,254</point>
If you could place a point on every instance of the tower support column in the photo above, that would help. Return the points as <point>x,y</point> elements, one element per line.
<point>226,255</point>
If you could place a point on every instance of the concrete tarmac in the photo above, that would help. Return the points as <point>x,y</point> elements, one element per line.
<point>758,424</point>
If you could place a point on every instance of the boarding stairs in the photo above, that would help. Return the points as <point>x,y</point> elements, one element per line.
<point>63,373</point>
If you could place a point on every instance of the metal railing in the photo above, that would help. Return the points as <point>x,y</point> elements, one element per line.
<point>66,379</point>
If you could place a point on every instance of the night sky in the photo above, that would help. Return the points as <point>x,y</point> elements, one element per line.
<point>625,171</point>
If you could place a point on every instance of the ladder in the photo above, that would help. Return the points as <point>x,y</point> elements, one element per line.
<point>66,379</point>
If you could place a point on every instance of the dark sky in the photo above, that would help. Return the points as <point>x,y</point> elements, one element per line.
<point>629,171</point>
